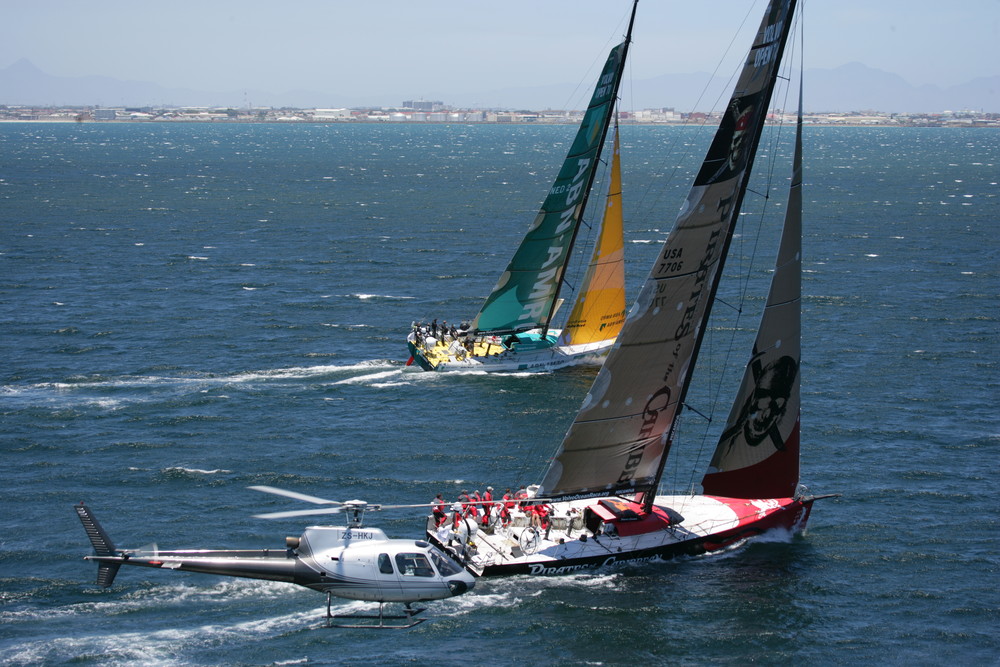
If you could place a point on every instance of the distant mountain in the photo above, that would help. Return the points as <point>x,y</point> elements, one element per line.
<point>851,87</point>
<point>855,87</point>
<point>23,83</point>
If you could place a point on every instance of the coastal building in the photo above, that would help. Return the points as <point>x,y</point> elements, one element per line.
<point>331,114</point>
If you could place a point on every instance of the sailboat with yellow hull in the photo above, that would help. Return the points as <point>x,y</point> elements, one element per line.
<point>597,503</point>
<point>512,331</point>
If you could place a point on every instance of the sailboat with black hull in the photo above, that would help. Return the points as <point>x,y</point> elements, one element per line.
<point>512,331</point>
<point>597,502</point>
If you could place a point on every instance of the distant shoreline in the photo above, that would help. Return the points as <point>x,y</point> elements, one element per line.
<point>126,121</point>
<point>410,113</point>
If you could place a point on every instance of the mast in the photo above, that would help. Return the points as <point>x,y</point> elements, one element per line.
<point>593,173</point>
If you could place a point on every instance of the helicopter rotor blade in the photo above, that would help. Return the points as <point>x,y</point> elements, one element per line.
<point>294,495</point>
<point>291,513</point>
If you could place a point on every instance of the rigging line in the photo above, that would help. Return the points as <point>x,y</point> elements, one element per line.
<point>775,134</point>
<point>689,147</point>
<point>581,258</point>
<point>770,143</point>
<point>606,548</point>
<point>584,250</point>
<point>773,141</point>
<point>707,418</point>
<point>582,85</point>
<point>738,308</point>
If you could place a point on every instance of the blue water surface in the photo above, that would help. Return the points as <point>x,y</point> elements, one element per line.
<point>190,309</point>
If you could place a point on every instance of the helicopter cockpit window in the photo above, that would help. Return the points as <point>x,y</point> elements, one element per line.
<point>414,565</point>
<point>445,566</point>
<point>385,564</point>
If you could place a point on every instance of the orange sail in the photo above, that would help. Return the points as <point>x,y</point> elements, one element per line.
<point>599,311</point>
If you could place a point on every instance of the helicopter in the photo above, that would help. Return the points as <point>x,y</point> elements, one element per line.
<point>353,561</point>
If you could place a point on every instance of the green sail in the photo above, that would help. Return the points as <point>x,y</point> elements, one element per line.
<point>525,294</point>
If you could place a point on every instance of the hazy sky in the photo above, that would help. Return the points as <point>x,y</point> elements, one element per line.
<point>416,48</point>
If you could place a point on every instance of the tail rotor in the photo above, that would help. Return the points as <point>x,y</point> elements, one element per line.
<point>103,546</point>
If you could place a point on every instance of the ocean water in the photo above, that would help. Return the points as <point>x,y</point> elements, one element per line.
<point>187,310</point>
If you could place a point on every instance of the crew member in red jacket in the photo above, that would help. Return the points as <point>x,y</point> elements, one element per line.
<point>539,515</point>
<point>439,516</point>
<point>473,507</point>
<point>487,505</point>
<point>505,507</point>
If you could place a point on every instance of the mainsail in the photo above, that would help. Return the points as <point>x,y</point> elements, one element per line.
<point>525,295</point>
<point>599,311</point>
<point>623,432</point>
<point>758,451</point>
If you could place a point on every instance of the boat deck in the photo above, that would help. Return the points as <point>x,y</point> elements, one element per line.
<point>452,351</point>
<point>484,348</point>
<point>595,532</point>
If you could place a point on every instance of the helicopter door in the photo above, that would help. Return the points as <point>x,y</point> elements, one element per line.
<point>387,579</point>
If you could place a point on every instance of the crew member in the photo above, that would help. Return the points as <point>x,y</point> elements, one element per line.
<point>505,507</point>
<point>487,505</point>
<point>439,516</point>
<point>474,501</point>
<point>521,496</point>
<point>540,516</point>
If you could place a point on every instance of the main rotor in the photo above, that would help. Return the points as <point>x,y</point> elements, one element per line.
<point>354,510</point>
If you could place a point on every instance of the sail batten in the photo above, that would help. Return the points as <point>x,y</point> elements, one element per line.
<point>636,398</point>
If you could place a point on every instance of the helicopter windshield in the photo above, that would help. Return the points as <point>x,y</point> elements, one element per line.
<point>446,566</point>
<point>414,565</point>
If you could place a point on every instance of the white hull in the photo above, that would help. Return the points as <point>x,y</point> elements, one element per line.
<point>577,541</point>
<point>525,360</point>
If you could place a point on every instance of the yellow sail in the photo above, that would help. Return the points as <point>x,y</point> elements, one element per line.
<point>600,309</point>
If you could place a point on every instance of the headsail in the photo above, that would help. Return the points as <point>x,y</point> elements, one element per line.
<point>758,451</point>
<point>599,311</point>
<point>622,434</point>
<point>526,292</point>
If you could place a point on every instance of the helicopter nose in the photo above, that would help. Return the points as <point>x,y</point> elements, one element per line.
<point>458,586</point>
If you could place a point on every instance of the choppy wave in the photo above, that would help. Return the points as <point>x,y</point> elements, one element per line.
<point>380,297</point>
<point>194,471</point>
<point>90,392</point>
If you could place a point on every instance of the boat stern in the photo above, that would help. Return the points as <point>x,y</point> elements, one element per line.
<point>418,357</point>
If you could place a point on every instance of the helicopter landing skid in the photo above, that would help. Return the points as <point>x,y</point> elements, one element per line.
<point>380,621</point>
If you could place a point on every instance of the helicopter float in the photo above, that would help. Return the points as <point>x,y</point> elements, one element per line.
<point>352,561</point>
